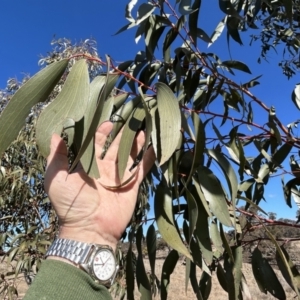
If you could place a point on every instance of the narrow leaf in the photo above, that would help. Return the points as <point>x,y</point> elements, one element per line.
<point>214,194</point>
<point>193,20</point>
<point>265,276</point>
<point>151,247</point>
<point>218,31</point>
<point>169,123</point>
<point>296,96</point>
<point>131,127</point>
<point>141,275</point>
<point>35,90</point>
<point>238,65</point>
<point>167,270</point>
<point>70,103</point>
<point>165,220</point>
<point>111,80</point>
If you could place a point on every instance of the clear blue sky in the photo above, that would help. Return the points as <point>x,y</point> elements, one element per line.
<point>27,27</point>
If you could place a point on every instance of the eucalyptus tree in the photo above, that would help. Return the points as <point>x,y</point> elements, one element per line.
<point>200,121</point>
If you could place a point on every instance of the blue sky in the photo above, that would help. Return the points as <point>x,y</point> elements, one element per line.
<point>27,27</point>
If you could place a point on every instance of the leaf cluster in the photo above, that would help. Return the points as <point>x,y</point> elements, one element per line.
<point>211,154</point>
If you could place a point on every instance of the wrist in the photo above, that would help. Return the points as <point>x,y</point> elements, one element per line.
<point>87,236</point>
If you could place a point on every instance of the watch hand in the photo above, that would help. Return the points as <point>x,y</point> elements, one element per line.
<point>106,261</point>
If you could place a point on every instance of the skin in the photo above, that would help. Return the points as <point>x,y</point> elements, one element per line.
<point>86,209</point>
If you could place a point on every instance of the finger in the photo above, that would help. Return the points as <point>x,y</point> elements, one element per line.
<point>58,157</point>
<point>57,161</point>
<point>112,152</point>
<point>101,136</point>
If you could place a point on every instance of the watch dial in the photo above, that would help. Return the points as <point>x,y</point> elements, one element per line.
<point>104,264</point>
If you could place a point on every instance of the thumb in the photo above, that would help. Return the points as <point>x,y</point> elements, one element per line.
<point>57,160</point>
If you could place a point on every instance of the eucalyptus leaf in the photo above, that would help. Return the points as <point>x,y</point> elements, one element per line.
<point>167,270</point>
<point>193,20</point>
<point>265,276</point>
<point>169,123</point>
<point>165,220</point>
<point>214,194</point>
<point>35,90</point>
<point>70,103</point>
<point>238,65</point>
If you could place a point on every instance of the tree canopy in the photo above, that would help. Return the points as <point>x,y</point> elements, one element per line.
<point>212,156</point>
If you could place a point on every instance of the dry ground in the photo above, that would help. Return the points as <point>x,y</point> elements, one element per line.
<point>177,285</point>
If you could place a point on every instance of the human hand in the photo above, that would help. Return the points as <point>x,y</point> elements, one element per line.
<point>86,210</point>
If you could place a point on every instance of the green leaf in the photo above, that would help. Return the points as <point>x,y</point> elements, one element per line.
<point>165,219</point>
<point>193,212</point>
<point>122,114</point>
<point>288,5</point>
<point>222,277</point>
<point>274,130</point>
<point>144,11</point>
<point>198,193</point>
<point>187,271</point>
<point>296,96</point>
<point>169,125</point>
<point>282,153</point>
<point>233,30</point>
<point>284,260</point>
<point>35,90</point>
<point>237,267</point>
<point>296,275</point>
<point>171,36</point>
<point>130,274</point>
<point>128,10</point>
<point>70,103</point>
<point>148,119</point>
<point>227,7</point>
<point>151,38</point>
<point>199,145</point>
<point>205,285</point>
<point>215,237</point>
<point>193,20</point>
<point>252,83</point>
<point>151,247</point>
<point>194,281</point>
<point>238,65</point>
<point>12,254</point>
<point>185,7</point>
<point>167,270</point>
<point>131,127</point>
<point>214,194</point>
<point>201,34</point>
<point>218,31</point>
<point>227,170</point>
<point>141,275</point>
<point>111,80</point>
<point>202,231</point>
<point>88,159</point>
<point>288,189</point>
<point>265,277</point>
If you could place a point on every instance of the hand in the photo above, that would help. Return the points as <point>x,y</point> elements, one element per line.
<point>86,210</point>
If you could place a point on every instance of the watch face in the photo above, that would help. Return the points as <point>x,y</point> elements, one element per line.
<point>104,264</point>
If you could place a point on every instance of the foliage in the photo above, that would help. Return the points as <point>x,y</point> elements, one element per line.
<point>200,122</point>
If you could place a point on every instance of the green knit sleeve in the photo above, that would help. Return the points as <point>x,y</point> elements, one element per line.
<point>58,280</point>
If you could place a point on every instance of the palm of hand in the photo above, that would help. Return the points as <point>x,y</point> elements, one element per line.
<point>86,210</point>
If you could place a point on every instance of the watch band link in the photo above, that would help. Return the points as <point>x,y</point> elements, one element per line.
<point>74,251</point>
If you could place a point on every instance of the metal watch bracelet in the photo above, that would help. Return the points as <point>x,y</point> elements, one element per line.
<point>74,251</point>
<point>81,254</point>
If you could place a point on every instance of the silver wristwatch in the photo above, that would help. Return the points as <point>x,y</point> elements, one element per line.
<point>97,260</point>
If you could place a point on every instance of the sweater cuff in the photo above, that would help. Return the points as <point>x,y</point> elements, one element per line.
<point>60,280</point>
